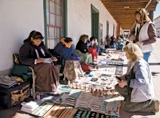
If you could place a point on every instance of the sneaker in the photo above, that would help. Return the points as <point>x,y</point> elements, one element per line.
<point>156,106</point>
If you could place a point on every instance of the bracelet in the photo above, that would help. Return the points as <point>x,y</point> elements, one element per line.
<point>93,114</point>
<point>84,113</point>
<point>87,116</point>
<point>78,114</point>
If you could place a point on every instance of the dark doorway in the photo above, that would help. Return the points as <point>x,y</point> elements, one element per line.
<point>107,28</point>
<point>95,22</point>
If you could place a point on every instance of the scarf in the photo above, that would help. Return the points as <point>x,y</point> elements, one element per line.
<point>67,45</point>
<point>39,52</point>
<point>130,66</point>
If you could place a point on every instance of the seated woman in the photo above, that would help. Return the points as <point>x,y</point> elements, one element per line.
<point>33,53</point>
<point>119,43</point>
<point>82,51</point>
<point>94,44</point>
<point>65,50</point>
<point>112,41</point>
<point>136,85</point>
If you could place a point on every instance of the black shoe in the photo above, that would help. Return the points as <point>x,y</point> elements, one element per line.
<point>63,80</point>
<point>87,72</point>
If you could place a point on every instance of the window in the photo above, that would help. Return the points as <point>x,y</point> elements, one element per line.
<point>53,22</point>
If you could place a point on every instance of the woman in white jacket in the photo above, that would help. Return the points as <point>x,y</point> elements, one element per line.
<point>143,33</point>
<point>136,85</point>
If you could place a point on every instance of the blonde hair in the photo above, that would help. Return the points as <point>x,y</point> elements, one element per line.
<point>134,51</point>
<point>83,37</point>
<point>143,14</point>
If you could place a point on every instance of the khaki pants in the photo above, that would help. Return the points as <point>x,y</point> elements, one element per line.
<point>147,106</point>
<point>84,57</point>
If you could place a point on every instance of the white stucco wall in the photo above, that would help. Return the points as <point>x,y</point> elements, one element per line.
<point>79,18</point>
<point>17,19</point>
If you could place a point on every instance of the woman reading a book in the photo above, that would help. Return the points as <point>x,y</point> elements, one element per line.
<point>34,53</point>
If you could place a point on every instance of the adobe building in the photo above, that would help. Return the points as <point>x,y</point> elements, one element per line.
<point>58,18</point>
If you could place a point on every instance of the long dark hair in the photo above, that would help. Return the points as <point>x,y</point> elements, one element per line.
<point>92,38</point>
<point>35,35</point>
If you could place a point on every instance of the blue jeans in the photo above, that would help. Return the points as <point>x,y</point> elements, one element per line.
<point>146,56</point>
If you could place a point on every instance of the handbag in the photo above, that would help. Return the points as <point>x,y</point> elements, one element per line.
<point>72,70</point>
<point>86,67</point>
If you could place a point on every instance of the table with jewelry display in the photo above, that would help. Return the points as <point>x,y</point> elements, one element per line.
<point>52,110</point>
<point>107,105</point>
<point>90,96</point>
<point>112,58</point>
<point>101,81</point>
<point>95,92</point>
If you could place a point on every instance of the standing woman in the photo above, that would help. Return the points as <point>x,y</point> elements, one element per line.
<point>143,33</point>
<point>33,53</point>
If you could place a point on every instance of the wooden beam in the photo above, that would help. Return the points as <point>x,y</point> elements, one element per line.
<point>125,16</point>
